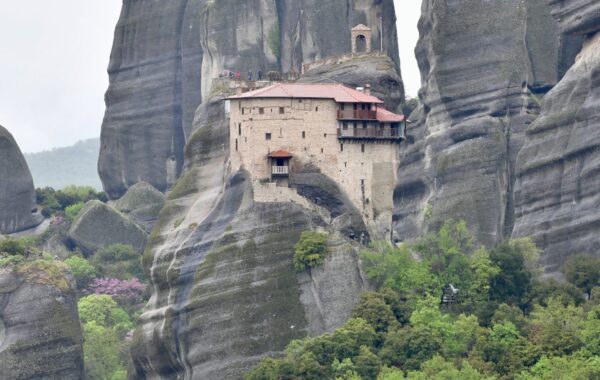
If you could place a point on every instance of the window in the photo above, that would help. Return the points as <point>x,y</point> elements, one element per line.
<point>316,109</point>
<point>267,136</point>
<point>355,106</point>
<point>303,134</point>
<point>299,100</point>
<point>341,147</point>
<point>240,129</point>
<point>362,148</point>
<point>239,105</point>
<point>321,150</point>
<point>345,126</point>
<point>364,125</point>
<point>243,111</point>
<point>281,110</point>
<point>261,111</point>
<point>345,164</point>
<point>342,106</point>
<point>236,145</point>
<point>325,135</point>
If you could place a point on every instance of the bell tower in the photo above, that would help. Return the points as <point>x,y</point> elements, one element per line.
<point>361,39</point>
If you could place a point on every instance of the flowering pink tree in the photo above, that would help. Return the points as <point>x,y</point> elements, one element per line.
<point>123,291</point>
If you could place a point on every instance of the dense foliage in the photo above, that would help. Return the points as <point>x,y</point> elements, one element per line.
<point>447,308</point>
<point>310,250</point>
<point>66,201</point>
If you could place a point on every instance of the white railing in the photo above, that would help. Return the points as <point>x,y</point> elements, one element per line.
<point>281,170</point>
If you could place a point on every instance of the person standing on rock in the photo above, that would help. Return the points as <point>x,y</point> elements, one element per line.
<point>259,75</point>
<point>238,75</point>
<point>249,75</point>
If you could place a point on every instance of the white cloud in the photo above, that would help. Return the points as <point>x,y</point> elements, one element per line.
<point>408,13</point>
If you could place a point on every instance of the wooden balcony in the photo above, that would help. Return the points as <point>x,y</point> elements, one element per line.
<point>357,115</point>
<point>280,170</point>
<point>371,133</point>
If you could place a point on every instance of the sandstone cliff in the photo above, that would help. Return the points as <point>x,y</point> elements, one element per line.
<point>484,68</point>
<point>17,195</point>
<point>557,191</point>
<point>40,335</point>
<point>166,53</point>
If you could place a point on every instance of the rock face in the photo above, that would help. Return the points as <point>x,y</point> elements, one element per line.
<point>557,192</point>
<point>40,335</point>
<point>166,53</point>
<point>484,67</point>
<point>99,224</point>
<point>17,195</point>
<point>225,292</point>
<point>142,202</point>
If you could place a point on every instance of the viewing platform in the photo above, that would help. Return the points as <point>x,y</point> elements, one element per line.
<point>393,134</point>
<point>356,115</point>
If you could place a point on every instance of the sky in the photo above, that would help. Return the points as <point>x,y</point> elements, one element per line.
<point>53,60</point>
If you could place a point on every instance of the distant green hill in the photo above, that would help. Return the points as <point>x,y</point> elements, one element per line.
<point>73,165</point>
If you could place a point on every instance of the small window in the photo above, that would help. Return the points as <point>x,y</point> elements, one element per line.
<point>299,100</point>
<point>325,135</point>
<point>236,145</point>
<point>364,125</point>
<point>267,136</point>
<point>341,147</point>
<point>243,111</point>
<point>345,164</point>
<point>281,110</point>
<point>240,129</point>
<point>316,109</point>
<point>303,134</point>
<point>261,111</point>
<point>345,126</point>
<point>362,148</point>
<point>342,106</point>
<point>239,105</point>
<point>321,150</point>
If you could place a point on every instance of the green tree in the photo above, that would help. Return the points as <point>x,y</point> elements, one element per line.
<point>367,364</point>
<point>310,250</point>
<point>82,270</point>
<point>583,271</point>
<point>409,347</point>
<point>120,261</point>
<point>556,328</point>
<point>372,308</point>
<point>438,368</point>
<point>104,311</point>
<point>101,353</point>
<point>562,368</point>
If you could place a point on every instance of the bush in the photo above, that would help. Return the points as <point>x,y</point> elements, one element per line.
<point>119,261</point>
<point>72,211</point>
<point>583,271</point>
<point>11,247</point>
<point>105,312</point>
<point>310,250</point>
<point>82,270</point>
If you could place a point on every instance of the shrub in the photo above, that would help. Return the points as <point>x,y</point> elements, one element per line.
<point>104,311</point>
<point>120,261</point>
<point>310,250</point>
<point>583,271</point>
<point>82,270</point>
<point>73,210</point>
<point>11,247</point>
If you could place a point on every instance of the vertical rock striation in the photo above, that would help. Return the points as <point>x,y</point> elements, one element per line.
<point>484,67</point>
<point>557,191</point>
<point>17,195</point>
<point>166,54</point>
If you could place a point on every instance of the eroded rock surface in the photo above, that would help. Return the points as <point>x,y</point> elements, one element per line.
<point>557,192</point>
<point>98,224</point>
<point>166,54</point>
<point>484,67</point>
<point>40,334</point>
<point>142,202</point>
<point>17,194</point>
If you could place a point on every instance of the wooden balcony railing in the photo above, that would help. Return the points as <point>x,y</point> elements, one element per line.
<point>357,115</point>
<point>370,133</point>
<point>280,170</point>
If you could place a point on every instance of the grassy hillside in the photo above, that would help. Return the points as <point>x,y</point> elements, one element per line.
<point>73,165</point>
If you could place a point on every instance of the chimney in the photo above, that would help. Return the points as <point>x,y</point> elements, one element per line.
<point>368,89</point>
<point>239,90</point>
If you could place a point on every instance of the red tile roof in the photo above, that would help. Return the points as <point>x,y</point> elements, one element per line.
<point>338,92</point>
<point>280,154</point>
<point>384,116</point>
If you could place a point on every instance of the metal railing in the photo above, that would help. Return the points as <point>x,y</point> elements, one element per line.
<point>370,133</point>
<point>357,114</point>
<point>280,170</point>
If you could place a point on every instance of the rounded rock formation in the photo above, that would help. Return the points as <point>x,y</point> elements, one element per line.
<point>17,195</point>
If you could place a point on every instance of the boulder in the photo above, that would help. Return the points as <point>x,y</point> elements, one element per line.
<point>40,334</point>
<point>142,202</point>
<point>98,224</point>
<point>17,194</point>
